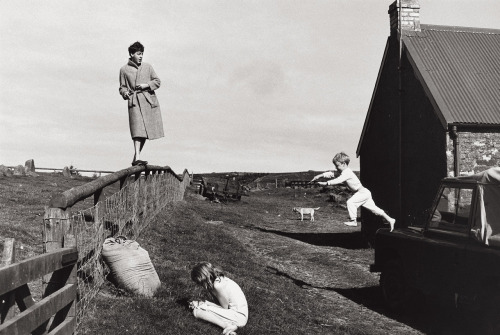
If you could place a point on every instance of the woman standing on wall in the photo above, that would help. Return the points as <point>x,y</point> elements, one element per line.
<point>138,81</point>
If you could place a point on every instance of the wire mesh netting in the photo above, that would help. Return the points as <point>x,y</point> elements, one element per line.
<point>125,213</point>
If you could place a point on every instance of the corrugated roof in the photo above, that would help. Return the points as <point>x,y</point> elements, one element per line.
<point>461,69</point>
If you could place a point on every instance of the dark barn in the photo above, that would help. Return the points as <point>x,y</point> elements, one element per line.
<point>435,112</point>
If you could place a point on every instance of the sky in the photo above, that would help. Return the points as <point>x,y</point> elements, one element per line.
<point>247,86</point>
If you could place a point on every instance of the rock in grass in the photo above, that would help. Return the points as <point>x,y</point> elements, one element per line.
<point>29,166</point>
<point>19,171</point>
<point>66,172</point>
<point>4,170</point>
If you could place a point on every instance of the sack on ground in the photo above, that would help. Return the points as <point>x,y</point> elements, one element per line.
<point>130,266</point>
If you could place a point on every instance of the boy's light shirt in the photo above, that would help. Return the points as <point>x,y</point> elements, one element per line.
<point>347,176</point>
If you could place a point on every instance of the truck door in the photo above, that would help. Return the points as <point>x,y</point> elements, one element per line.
<point>481,279</point>
<point>445,244</point>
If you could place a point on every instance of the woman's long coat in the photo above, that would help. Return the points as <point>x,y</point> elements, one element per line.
<point>143,108</point>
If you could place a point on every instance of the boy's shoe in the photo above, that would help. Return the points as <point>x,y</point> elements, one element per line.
<point>352,223</point>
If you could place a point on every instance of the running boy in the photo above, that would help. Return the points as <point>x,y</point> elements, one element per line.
<point>361,197</point>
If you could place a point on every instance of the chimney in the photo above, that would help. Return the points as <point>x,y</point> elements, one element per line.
<point>404,15</point>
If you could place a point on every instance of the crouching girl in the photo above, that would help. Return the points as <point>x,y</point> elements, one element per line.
<point>233,309</point>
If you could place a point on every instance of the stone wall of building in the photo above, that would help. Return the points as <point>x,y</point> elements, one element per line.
<point>478,152</point>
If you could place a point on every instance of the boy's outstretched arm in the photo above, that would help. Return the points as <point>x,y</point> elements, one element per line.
<point>327,174</point>
<point>339,180</point>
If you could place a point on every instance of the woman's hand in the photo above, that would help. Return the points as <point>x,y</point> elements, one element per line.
<point>141,87</point>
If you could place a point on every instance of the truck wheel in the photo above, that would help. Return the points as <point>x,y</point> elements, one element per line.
<point>393,285</point>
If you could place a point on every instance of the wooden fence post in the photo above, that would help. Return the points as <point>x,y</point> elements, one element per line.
<point>123,181</point>
<point>7,300</point>
<point>99,196</point>
<point>56,225</point>
<point>58,233</point>
<point>100,210</point>
<point>9,252</point>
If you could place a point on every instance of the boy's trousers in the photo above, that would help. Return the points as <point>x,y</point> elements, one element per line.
<point>218,315</point>
<point>362,197</point>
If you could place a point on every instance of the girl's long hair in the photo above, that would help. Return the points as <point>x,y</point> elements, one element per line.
<point>205,274</point>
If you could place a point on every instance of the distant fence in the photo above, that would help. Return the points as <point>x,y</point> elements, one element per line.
<point>71,170</point>
<point>282,183</point>
<point>301,183</point>
<point>75,170</point>
<point>143,192</point>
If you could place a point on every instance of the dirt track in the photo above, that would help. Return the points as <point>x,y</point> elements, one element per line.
<point>325,257</point>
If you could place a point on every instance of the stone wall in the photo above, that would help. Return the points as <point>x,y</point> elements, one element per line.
<point>478,152</point>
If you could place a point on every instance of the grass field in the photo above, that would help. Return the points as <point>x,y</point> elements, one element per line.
<point>299,277</point>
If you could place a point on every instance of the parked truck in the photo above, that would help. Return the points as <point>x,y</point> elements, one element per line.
<point>454,255</point>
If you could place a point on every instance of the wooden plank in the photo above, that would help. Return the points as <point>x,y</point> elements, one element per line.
<point>7,300</point>
<point>66,328</point>
<point>24,299</point>
<point>75,194</point>
<point>70,310</point>
<point>61,317</point>
<point>30,319</point>
<point>57,280</point>
<point>62,236</point>
<point>56,226</point>
<point>30,269</point>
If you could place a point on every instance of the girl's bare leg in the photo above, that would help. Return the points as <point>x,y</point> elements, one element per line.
<point>215,314</point>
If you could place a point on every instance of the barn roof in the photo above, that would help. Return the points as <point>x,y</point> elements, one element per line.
<point>460,70</point>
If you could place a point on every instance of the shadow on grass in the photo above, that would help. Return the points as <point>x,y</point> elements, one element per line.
<point>184,302</point>
<point>371,297</point>
<point>354,240</point>
<point>428,318</point>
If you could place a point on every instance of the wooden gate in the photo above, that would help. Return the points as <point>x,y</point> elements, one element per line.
<point>55,312</point>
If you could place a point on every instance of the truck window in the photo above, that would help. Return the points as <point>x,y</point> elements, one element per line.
<point>452,210</point>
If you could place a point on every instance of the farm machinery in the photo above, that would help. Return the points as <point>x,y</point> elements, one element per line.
<point>219,187</point>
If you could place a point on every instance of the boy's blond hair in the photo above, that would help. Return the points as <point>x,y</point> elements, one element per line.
<point>341,157</point>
